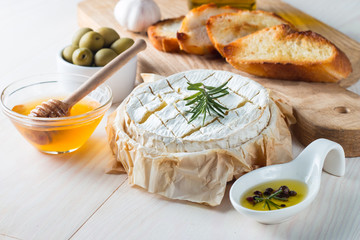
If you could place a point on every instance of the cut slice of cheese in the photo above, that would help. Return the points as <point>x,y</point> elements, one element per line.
<point>152,138</point>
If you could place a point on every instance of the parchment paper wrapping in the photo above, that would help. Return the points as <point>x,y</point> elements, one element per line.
<point>197,176</point>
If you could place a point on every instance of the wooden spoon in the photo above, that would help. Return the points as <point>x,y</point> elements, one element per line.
<point>57,108</point>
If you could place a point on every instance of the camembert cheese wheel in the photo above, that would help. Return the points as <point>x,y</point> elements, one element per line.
<point>161,151</point>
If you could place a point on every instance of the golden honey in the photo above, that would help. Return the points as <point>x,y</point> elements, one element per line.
<point>299,187</point>
<point>59,136</point>
<point>242,4</point>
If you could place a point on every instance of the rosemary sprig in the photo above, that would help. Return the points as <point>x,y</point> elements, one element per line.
<point>204,101</point>
<point>267,200</point>
<point>282,194</point>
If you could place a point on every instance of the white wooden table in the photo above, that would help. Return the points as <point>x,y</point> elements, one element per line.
<point>70,197</point>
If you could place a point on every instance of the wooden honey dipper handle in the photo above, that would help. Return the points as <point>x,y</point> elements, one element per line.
<point>102,75</point>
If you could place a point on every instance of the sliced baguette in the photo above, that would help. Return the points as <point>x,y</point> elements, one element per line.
<point>225,28</point>
<point>282,53</point>
<point>162,34</point>
<point>192,35</point>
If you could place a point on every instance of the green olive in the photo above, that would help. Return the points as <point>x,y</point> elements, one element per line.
<point>92,40</point>
<point>122,44</point>
<point>68,52</point>
<point>79,33</point>
<point>82,57</point>
<point>104,56</point>
<point>109,34</point>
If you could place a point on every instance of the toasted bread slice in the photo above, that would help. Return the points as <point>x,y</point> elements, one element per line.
<point>282,53</point>
<point>228,27</point>
<point>162,34</point>
<point>192,36</point>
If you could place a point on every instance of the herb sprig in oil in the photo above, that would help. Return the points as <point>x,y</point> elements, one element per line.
<point>282,194</point>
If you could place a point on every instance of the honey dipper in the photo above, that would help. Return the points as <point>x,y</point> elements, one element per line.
<point>57,108</point>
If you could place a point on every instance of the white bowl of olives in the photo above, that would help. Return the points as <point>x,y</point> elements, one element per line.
<point>91,50</point>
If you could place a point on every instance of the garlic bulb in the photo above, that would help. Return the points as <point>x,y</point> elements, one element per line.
<point>137,15</point>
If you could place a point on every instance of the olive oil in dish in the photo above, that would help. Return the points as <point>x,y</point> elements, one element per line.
<point>269,195</point>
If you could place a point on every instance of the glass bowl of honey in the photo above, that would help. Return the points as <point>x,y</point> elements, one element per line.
<point>54,135</point>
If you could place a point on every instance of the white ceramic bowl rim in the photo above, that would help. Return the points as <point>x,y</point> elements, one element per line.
<point>122,82</point>
<point>42,120</point>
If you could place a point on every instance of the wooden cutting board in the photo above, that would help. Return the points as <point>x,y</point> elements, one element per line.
<point>321,110</point>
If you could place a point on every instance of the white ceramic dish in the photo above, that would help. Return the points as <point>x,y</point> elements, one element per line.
<point>121,83</point>
<point>307,168</point>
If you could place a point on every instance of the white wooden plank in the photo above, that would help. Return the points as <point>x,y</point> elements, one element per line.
<point>33,33</point>
<point>7,237</point>
<point>50,197</point>
<point>132,213</point>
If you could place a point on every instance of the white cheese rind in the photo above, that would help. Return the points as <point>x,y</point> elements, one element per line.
<point>168,156</point>
<point>244,120</point>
